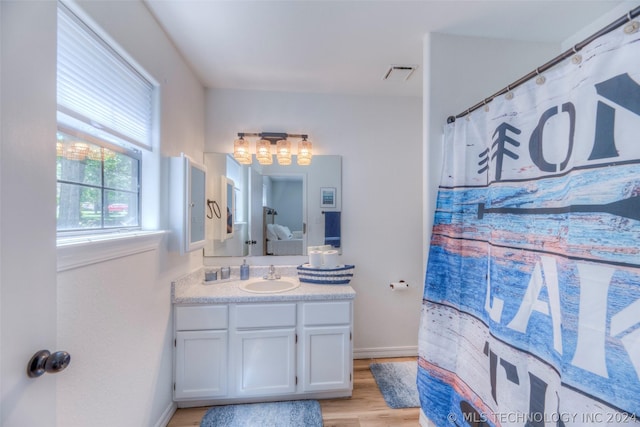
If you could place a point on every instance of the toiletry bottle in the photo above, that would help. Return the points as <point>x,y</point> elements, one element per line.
<point>244,271</point>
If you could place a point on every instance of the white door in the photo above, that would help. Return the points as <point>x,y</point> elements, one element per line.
<point>27,210</point>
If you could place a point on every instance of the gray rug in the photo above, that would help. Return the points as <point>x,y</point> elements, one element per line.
<point>397,383</point>
<point>295,413</point>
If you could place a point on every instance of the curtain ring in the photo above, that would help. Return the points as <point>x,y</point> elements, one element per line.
<point>632,26</point>
<point>467,115</point>
<point>540,80</point>
<point>509,94</point>
<point>577,58</point>
<point>486,107</point>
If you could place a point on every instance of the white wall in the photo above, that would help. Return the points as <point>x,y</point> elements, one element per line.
<point>605,19</point>
<point>379,139</point>
<point>115,317</point>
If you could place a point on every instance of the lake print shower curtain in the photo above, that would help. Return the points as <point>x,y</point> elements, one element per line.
<point>531,309</point>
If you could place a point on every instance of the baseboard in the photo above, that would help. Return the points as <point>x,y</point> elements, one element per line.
<point>341,394</point>
<point>166,415</point>
<point>380,352</point>
<point>424,421</point>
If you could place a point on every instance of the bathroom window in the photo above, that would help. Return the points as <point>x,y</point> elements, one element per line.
<point>97,184</point>
<point>106,107</point>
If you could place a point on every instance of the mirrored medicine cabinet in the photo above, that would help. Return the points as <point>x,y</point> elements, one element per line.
<point>187,192</point>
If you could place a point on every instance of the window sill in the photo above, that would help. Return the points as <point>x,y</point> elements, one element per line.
<point>75,252</point>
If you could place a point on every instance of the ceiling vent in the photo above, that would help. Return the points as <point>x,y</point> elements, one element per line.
<point>399,73</point>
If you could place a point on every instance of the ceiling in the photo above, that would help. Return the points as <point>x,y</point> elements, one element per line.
<point>335,46</point>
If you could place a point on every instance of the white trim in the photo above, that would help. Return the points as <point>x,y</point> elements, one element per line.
<point>379,352</point>
<point>166,415</point>
<point>80,251</point>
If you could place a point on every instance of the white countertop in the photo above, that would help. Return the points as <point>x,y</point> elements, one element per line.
<point>191,289</point>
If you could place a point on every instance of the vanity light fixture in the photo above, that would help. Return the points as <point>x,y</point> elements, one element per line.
<point>264,155</point>
<point>241,150</point>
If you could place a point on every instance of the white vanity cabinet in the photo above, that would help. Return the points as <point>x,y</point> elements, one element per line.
<point>265,349</point>
<point>273,350</point>
<point>201,348</point>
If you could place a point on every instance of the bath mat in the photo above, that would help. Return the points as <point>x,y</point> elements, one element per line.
<point>397,383</point>
<point>293,413</point>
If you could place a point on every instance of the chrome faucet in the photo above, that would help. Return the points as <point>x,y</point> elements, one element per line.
<point>272,274</point>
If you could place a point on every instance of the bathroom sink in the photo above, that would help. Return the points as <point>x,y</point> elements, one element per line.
<point>261,286</point>
<point>269,286</point>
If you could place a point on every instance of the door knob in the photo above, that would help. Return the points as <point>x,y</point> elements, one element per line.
<point>43,361</point>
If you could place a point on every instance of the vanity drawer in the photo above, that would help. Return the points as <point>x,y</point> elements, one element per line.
<point>265,315</point>
<point>326,313</point>
<point>201,317</point>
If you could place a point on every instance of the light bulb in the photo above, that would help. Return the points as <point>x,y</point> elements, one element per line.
<point>283,152</point>
<point>304,152</point>
<point>263,152</point>
<point>241,151</point>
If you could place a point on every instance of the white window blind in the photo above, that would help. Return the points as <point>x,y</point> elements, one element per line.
<point>99,87</point>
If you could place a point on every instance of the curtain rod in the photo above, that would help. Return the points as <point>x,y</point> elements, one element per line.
<point>555,61</point>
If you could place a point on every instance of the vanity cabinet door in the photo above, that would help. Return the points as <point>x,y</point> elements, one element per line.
<point>327,358</point>
<point>265,363</point>
<point>327,355</point>
<point>200,364</point>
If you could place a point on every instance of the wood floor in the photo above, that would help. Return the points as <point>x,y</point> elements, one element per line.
<point>366,408</point>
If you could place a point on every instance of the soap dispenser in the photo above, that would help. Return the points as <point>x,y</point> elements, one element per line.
<point>244,271</point>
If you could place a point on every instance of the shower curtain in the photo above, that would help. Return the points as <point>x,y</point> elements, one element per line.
<point>531,307</point>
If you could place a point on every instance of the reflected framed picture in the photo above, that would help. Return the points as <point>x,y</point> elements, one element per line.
<point>327,197</point>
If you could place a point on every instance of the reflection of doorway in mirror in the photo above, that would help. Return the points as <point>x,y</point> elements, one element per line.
<point>285,197</point>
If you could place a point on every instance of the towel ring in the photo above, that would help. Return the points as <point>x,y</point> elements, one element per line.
<point>214,209</point>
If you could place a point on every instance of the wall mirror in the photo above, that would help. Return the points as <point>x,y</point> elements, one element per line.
<point>277,210</point>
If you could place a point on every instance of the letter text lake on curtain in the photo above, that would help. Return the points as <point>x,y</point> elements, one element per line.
<point>531,310</point>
